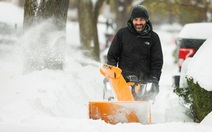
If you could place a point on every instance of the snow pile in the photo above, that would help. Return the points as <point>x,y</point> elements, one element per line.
<point>207,120</point>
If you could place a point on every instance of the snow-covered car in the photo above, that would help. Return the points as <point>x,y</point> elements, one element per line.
<point>11,22</point>
<point>8,33</point>
<point>189,40</point>
<point>199,67</point>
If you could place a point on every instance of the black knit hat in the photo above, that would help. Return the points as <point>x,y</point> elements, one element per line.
<point>139,12</point>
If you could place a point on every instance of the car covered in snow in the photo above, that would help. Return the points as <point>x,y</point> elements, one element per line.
<point>199,67</point>
<point>189,40</point>
<point>11,22</point>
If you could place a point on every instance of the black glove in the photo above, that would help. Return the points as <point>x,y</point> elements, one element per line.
<point>149,90</point>
<point>155,85</point>
<point>154,80</point>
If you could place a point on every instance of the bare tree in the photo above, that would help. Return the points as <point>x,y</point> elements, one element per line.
<point>182,11</point>
<point>88,15</point>
<point>164,11</point>
<point>122,10</point>
<point>45,50</point>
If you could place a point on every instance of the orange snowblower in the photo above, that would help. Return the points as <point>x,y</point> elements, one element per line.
<point>124,108</point>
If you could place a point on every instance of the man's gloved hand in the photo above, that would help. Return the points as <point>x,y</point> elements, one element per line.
<point>155,85</point>
<point>154,80</point>
<point>149,90</point>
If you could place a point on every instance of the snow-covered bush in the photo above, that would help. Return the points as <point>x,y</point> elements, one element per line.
<point>198,90</point>
<point>201,104</point>
<point>197,98</point>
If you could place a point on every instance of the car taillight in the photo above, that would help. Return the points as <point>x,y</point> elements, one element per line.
<point>184,53</point>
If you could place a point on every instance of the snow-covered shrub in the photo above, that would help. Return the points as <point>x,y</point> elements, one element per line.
<point>197,98</point>
<point>201,104</point>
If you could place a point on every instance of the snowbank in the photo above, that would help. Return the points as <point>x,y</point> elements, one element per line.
<point>207,120</point>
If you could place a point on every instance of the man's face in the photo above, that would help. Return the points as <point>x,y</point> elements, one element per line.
<point>139,24</point>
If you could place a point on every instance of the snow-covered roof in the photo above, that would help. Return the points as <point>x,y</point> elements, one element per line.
<point>196,31</point>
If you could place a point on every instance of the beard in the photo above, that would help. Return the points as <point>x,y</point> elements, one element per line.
<point>139,27</point>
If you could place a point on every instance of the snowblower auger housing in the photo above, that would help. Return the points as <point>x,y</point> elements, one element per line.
<point>124,109</point>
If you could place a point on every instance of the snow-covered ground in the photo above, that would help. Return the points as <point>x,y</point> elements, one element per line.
<point>57,100</point>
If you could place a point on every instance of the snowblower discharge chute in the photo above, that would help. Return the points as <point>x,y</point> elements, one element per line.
<point>124,108</point>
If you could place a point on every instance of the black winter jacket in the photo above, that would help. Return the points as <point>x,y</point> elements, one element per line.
<point>136,53</point>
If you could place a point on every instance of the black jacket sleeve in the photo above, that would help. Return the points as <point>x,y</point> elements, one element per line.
<point>156,57</point>
<point>115,50</point>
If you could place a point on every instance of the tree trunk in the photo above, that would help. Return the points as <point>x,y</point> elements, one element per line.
<point>97,7</point>
<point>122,11</point>
<point>29,13</point>
<point>85,23</point>
<point>88,16</point>
<point>47,22</point>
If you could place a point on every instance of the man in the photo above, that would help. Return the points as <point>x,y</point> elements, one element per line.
<point>136,49</point>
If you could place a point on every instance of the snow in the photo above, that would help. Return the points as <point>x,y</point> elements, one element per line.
<point>201,62</point>
<point>10,13</point>
<point>57,100</point>
<point>196,31</point>
<point>207,120</point>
